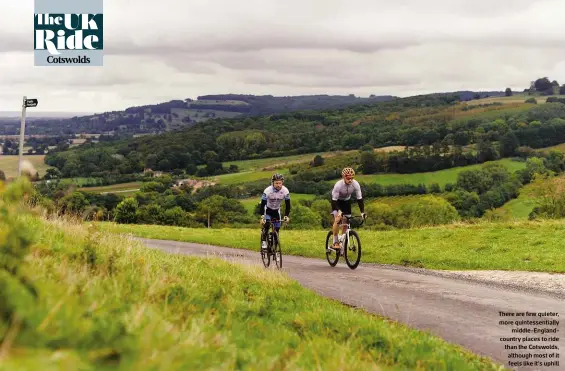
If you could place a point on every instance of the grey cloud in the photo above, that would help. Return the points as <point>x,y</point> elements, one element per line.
<point>174,49</point>
<point>328,82</point>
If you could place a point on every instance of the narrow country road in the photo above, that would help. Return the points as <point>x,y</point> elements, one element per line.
<point>459,311</point>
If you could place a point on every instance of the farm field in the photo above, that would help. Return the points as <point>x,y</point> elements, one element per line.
<point>9,164</point>
<point>442,177</point>
<point>516,98</point>
<point>113,188</point>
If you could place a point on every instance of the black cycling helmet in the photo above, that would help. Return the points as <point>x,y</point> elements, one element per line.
<point>277,177</point>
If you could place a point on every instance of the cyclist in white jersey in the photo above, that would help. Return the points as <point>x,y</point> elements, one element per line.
<point>341,200</point>
<point>271,204</point>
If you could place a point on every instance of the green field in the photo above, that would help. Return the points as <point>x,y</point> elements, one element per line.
<point>522,245</point>
<point>9,164</point>
<point>104,302</point>
<point>249,176</point>
<point>521,207</point>
<point>441,177</point>
<point>259,164</point>
<point>134,186</point>
<point>516,98</point>
<point>558,147</point>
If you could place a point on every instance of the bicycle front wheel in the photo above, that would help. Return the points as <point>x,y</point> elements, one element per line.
<point>265,256</point>
<point>352,250</point>
<point>277,251</point>
<point>331,254</point>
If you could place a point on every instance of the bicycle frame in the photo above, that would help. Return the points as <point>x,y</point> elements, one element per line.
<point>348,224</point>
<point>272,226</point>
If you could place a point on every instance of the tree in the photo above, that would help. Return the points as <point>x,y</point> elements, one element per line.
<point>548,192</point>
<point>318,161</point>
<point>509,144</point>
<point>52,173</point>
<point>562,89</point>
<point>74,203</point>
<point>126,211</point>
<point>474,181</point>
<point>486,152</point>
<point>508,92</point>
<point>369,163</point>
<point>544,86</point>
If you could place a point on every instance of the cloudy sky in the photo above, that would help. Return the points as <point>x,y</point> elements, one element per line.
<point>174,49</point>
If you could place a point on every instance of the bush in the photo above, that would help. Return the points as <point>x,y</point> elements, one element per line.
<point>427,211</point>
<point>549,193</point>
<point>16,239</point>
<point>126,211</point>
<point>304,218</point>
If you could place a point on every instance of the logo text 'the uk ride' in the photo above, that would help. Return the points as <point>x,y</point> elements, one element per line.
<point>57,32</point>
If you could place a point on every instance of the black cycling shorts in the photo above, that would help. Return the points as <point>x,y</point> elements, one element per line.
<point>344,206</point>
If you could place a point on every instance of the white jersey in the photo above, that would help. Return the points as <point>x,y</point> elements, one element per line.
<point>344,191</point>
<point>274,198</point>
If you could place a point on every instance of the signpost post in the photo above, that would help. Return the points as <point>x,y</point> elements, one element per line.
<point>26,103</point>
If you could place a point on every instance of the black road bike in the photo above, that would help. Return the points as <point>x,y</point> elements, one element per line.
<point>273,246</point>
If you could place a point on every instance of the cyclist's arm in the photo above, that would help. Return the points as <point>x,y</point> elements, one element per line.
<point>263,203</point>
<point>287,204</point>
<point>359,197</point>
<point>361,205</point>
<point>335,195</point>
<point>334,205</point>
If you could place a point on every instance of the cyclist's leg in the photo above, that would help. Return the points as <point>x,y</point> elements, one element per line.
<point>265,229</point>
<point>277,225</point>
<point>337,220</point>
<point>269,215</point>
<point>346,210</point>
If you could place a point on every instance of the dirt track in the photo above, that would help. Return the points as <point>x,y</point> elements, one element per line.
<point>458,310</point>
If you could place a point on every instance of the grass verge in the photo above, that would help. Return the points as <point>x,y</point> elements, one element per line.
<point>518,245</point>
<point>103,302</point>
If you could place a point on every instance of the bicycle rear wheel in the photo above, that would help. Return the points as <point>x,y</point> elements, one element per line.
<point>331,254</point>
<point>277,252</point>
<point>352,250</point>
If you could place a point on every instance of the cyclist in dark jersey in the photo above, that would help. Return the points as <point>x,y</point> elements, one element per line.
<point>341,200</point>
<point>270,206</point>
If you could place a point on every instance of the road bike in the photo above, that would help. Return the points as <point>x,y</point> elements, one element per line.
<point>349,243</point>
<point>273,246</point>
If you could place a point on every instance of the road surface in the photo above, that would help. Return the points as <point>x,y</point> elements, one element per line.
<point>460,311</point>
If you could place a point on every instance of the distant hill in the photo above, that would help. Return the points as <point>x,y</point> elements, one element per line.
<point>466,95</point>
<point>32,113</point>
<point>176,114</point>
<point>167,116</point>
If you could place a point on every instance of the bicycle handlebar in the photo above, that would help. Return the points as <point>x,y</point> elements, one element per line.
<point>355,217</point>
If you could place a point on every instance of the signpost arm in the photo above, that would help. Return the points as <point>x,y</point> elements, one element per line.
<point>22,130</point>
